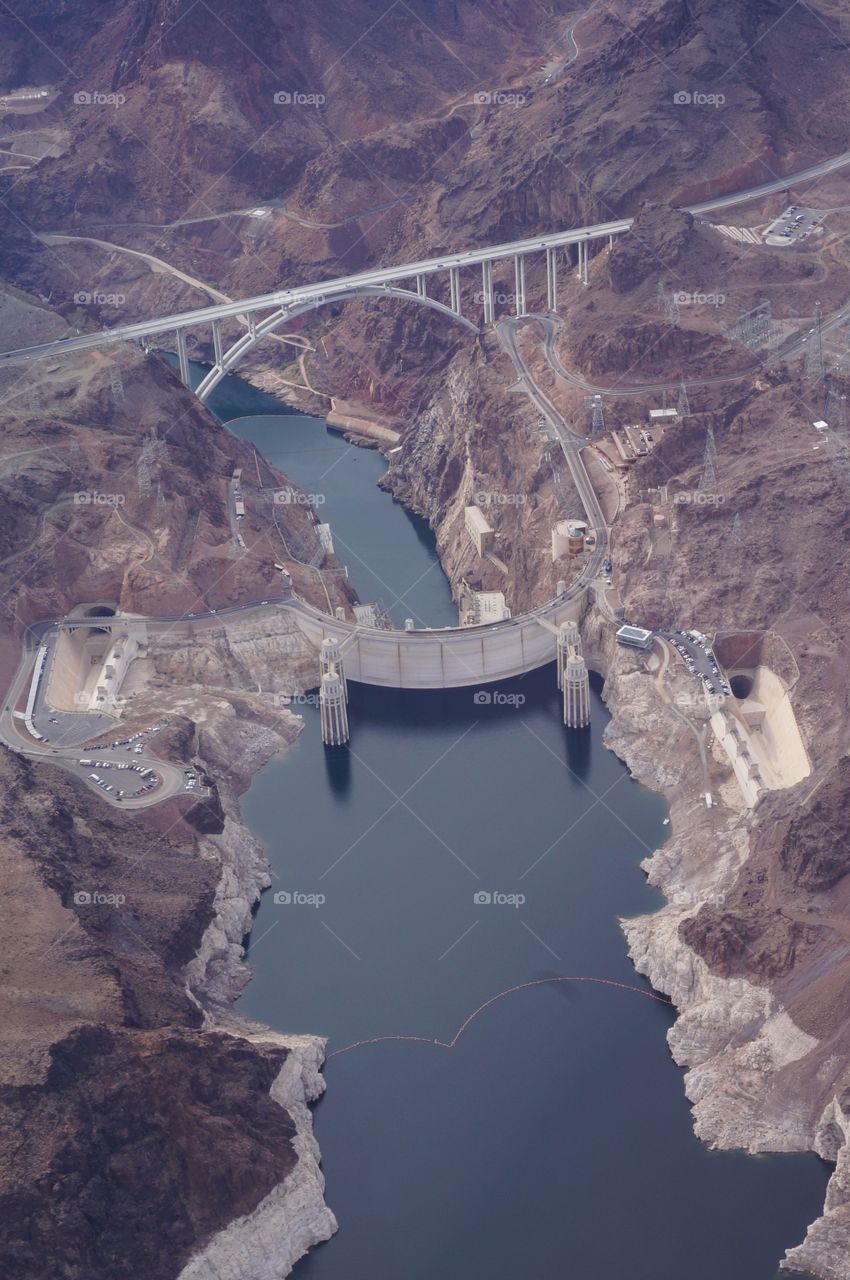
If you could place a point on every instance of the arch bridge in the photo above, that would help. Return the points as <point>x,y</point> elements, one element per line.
<point>411,281</point>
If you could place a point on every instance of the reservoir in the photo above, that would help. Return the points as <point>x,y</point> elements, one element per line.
<point>467,845</point>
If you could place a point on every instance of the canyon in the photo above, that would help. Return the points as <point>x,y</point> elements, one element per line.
<point>121,1050</point>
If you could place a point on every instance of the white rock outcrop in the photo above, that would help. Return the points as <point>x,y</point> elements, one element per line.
<point>293,1217</point>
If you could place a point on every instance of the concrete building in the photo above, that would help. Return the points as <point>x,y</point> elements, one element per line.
<point>480,532</point>
<point>634,637</point>
<point>663,417</point>
<point>477,607</point>
<point>568,538</point>
<point>116,662</point>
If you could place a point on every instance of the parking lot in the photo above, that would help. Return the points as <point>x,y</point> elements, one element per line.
<point>698,657</point>
<point>792,226</point>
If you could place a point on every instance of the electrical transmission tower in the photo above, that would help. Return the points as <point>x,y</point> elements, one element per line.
<point>737,532</point>
<point>668,304</point>
<point>152,454</point>
<point>684,405</point>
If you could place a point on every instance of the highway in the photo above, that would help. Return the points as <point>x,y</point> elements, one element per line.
<point>313,293</point>
<point>340,286</point>
<point>570,444</point>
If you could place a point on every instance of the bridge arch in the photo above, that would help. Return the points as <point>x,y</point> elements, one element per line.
<point>232,357</point>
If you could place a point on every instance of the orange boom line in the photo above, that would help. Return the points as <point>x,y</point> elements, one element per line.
<point>520,986</point>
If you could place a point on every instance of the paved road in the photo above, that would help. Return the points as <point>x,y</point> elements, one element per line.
<point>315,293</point>
<point>571,444</point>
<point>774,186</point>
<point>14,735</point>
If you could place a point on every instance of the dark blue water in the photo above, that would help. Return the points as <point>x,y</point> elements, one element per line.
<point>553,1141</point>
<point>389,553</point>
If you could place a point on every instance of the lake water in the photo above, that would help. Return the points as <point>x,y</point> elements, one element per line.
<point>553,1141</point>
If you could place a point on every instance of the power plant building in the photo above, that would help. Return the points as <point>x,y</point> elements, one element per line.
<point>479,529</point>
<point>634,637</point>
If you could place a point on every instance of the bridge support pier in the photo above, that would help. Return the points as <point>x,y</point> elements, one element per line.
<point>183,357</point>
<point>487,292</point>
<point>519,278</point>
<point>422,286</point>
<point>454,284</point>
<point>582,261</point>
<point>217,344</point>
<point>551,279</point>
<point>252,324</point>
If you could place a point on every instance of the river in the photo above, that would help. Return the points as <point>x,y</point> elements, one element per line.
<point>553,1138</point>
